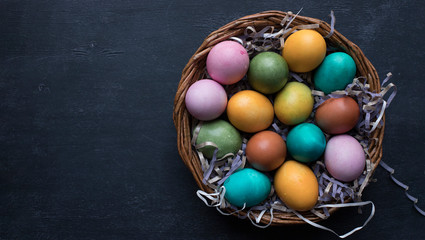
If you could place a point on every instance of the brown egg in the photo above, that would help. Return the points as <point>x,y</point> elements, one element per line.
<point>337,115</point>
<point>266,150</point>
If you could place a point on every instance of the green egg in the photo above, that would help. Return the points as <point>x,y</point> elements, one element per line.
<point>306,142</point>
<point>335,73</point>
<point>247,187</point>
<point>223,134</point>
<point>268,72</point>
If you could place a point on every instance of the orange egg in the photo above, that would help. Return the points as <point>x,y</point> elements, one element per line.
<point>266,150</point>
<point>304,50</point>
<point>250,111</point>
<point>337,115</point>
<point>296,185</point>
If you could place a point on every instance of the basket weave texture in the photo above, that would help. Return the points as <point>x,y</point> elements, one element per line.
<point>195,69</point>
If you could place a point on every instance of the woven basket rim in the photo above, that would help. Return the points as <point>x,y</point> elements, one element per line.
<point>195,68</point>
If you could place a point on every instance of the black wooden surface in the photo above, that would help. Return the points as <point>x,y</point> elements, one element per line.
<point>87,144</point>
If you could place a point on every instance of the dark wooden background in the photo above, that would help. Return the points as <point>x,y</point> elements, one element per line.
<point>87,143</point>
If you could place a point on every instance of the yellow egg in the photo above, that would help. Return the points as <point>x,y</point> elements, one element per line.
<point>304,50</point>
<point>294,103</point>
<point>296,185</point>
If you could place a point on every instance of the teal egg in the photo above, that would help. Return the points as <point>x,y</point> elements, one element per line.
<point>306,142</point>
<point>223,134</point>
<point>335,73</point>
<point>268,72</point>
<point>247,186</point>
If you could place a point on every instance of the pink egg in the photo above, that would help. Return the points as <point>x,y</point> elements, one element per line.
<point>227,62</point>
<point>206,99</point>
<point>344,158</point>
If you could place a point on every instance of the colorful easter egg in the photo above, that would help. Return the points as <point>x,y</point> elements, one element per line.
<point>304,50</point>
<point>222,134</point>
<point>344,158</point>
<point>227,62</point>
<point>250,111</point>
<point>294,103</point>
<point>337,115</point>
<point>335,73</point>
<point>268,72</point>
<point>266,150</point>
<point>296,185</point>
<point>206,99</point>
<point>306,142</point>
<point>247,187</point>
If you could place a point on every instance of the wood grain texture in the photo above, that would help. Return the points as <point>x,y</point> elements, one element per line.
<point>87,142</point>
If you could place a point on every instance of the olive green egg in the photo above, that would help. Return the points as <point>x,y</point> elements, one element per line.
<point>335,73</point>
<point>268,72</point>
<point>221,133</point>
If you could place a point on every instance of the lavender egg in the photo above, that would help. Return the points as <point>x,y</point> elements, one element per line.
<point>344,158</point>
<point>206,99</point>
<point>227,62</point>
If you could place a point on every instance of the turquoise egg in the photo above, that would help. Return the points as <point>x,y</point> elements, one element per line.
<point>335,73</point>
<point>223,134</point>
<point>306,142</point>
<point>247,186</point>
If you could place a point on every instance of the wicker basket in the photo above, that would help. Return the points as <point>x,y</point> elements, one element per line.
<point>195,68</point>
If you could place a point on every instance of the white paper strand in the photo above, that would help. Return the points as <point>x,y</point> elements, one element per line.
<point>331,32</point>
<point>372,213</point>
<point>259,217</point>
<point>402,185</point>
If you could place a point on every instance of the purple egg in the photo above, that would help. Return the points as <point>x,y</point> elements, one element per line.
<point>344,158</point>
<point>206,99</point>
<point>227,62</point>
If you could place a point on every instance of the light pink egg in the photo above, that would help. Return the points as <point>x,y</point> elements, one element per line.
<point>227,62</point>
<point>206,99</point>
<point>344,158</point>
